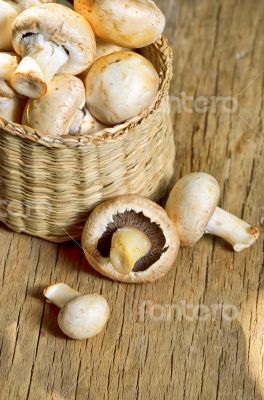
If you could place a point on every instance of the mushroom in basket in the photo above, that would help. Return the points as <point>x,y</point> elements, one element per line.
<point>51,39</point>
<point>59,112</point>
<point>120,86</point>
<point>81,316</point>
<point>130,239</point>
<point>126,23</point>
<point>8,64</point>
<point>11,105</point>
<point>192,205</point>
<point>8,12</point>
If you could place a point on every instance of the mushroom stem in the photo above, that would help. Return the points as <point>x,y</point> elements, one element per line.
<point>232,229</point>
<point>76,123</point>
<point>60,294</point>
<point>128,246</point>
<point>41,61</point>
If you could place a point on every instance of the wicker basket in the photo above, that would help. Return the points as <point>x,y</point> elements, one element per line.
<point>49,185</point>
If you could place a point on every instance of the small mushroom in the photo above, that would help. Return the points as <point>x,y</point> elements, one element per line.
<point>126,23</point>
<point>8,12</point>
<point>120,86</point>
<point>11,109</point>
<point>130,239</point>
<point>8,65</point>
<point>57,111</point>
<point>192,206</point>
<point>51,39</point>
<point>81,316</point>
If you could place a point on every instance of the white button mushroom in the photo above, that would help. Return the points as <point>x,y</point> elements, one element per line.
<point>192,205</point>
<point>126,23</point>
<point>51,39</point>
<point>8,65</point>
<point>11,109</point>
<point>57,111</point>
<point>81,316</point>
<point>8,12</point>
<point>120,86</point>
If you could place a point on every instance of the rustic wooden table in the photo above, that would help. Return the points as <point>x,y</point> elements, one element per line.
<point>210,343</point>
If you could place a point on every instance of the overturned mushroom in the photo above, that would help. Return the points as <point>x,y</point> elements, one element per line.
<point>126,23</point>
<point>8,12</point>
<point>11,109</point>
<point>130,239</point>
<point>57,111</point>
<point>192,206</point>
<point>81,316</point>
<point>8,65</point>
<point>120,86</point>
<point>51,39</point>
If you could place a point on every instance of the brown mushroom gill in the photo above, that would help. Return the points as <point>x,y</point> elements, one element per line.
<point>143,223</point>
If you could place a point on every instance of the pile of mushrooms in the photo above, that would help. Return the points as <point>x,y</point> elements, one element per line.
<point>77,71</point>
<point>131,239</point>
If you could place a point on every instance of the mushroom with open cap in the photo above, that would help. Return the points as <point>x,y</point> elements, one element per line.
<point>11,109</point>
<point>58,111</point>
<point>8,12</point>
<point>130,239</point>
<point>192,206</point>
<point>8,65</point>
<point>126,23</point>
<point>81,316</point>
<point>51,39</point>
<point>120,86</point>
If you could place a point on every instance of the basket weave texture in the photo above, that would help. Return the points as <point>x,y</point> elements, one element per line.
<point>48,185</point>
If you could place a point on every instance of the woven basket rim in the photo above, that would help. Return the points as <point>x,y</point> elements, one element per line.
<point>109,134</point>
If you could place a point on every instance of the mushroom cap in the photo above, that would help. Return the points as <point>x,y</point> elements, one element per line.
<point>84,317</point>
<point>8,65</point>
<point>138,212</point>
<point>191,204</point>
<point>53,113</point>
<point>11,109</point>
<point>126,23</point>
<point>103,49</point>
<point>120,86</point>
<point>62,26</point>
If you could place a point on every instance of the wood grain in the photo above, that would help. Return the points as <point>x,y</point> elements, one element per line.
<point>218,51</point>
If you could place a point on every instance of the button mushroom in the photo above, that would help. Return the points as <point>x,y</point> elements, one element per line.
<point>120,86</point>
<point>11,109</point>
<point>51,39</point>
<point>8,12</point>
<point>126,23</point>
<point>57,111</point>
<point>192,206</point>
<point>130,239</point>
<point>8,65</point>
<point>81,316</point>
